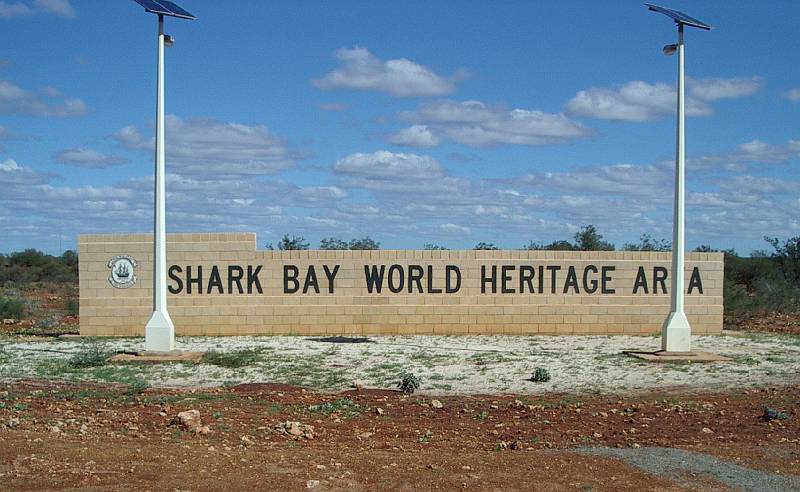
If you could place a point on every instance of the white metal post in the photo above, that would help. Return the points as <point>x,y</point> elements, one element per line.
<point>676,333</point>
<point>160,332</point>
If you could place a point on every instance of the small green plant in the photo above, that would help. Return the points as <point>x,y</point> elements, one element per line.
<point>540,375</point>
<point>217,415</point>
<point>239,358</point>
<point>772,414</point>
<point>136,387</point>
<point>409,383</point>
<point>93,356</point>
<point>482,416</point>
<point>345,406</point>
<point>426,437</point>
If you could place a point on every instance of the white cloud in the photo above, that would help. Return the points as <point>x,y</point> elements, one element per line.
<point>207,147</point>
<point>712,89</point>
<point>15,100</point>
<point>623,179</point>
<point>758,151</point>
<point>13,9</point>
<point>61,8</point>
<point>639,101</point>
<point>83,157</point>
<point>455,229</point>
<point>360,69</point>
<point>387,165</point>
<point>477,124</point>
<point>793,95</point>
<point>419,136</point>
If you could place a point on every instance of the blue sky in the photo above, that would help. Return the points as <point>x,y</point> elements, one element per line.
<point>411,122</point>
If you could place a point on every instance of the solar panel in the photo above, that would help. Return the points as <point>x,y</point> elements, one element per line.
<point>679,17</point>
<point>164,7</point>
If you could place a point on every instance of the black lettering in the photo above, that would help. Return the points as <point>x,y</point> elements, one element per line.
<point>374,279</point>
<point>641,281</point>
<point>590,287</point>
<point>290,274</point>
<point>485,280</point>
<point>235,274</point>
<point>695,281</point>
<point>196,280</point>
<point>506,276</point>
<point>605,279</point>
<point>331,276</point>
<point>448,284</point>
<point>541,279</point>
<point>390,281</point>
<point>415,274</point>
<point>572,281</point>
<point>659,277</point>
<point>252,279</point>
<point>311,280</point>
<point>172,276</point>
<point>553,269</point>
<point>431,289</point>
<point>526,278</point>
<point>214,280</point>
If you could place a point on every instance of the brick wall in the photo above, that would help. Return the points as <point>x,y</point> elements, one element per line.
<point>352,309</point>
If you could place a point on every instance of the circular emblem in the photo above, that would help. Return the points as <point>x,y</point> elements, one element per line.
<point>123,271</point>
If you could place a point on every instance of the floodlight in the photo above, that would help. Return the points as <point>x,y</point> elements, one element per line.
<point>159,333</point>
<point>676,332</point>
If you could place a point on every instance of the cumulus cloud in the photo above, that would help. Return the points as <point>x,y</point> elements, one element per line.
<point>359,69</point>
<point>47,103</point>
<point>758,151</point>
<point>623,179</point>
<point>61,8</point>
<point>205,146</point>
<point>478,124</point>
<point>793,95</point>
<point>639,101</point>
<point>419,136</point>
<point>83,157</point>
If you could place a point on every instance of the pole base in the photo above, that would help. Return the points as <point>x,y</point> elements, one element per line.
<point>676,333</point>
<point>159,333</point>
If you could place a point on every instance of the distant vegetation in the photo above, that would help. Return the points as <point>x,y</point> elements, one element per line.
<point>31,269</point>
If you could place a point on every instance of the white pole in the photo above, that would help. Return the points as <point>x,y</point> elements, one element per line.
<point>676,333</point>
<point>160,332</point>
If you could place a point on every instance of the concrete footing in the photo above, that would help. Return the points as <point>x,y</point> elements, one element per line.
<point>664,356</point>
<point>155,357</point>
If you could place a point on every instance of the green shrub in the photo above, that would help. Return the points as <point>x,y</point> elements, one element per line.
<point>239,358</point>
<point>12,308</point>
<point>409,383</point>
<point>72,306</point>
<point>93,356</point>
<point>540,375</point>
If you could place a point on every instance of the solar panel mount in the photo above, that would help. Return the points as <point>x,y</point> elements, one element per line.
<point>165,7</point>
<point>679,17</point>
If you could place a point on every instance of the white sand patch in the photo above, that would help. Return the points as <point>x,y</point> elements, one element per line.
<point>446,364</point>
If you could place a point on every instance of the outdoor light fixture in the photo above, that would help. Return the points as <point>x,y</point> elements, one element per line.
<point>159,335</point>
<point>676,333</point>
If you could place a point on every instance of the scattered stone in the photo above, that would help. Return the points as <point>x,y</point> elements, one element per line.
<point>706,430</point>
<point>295,430</point>
<point>379,411</point>
<point>54,429</point>
<point>12,422</point>
<point>366,435</point>
<point>9,321</point>
<point>190,421</point>
<point>246,441</point>
<point>84,428</point>
<point>311,484</point>
<point>436,404</point>
<point>358,384</point>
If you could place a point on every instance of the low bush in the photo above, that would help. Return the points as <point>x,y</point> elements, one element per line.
<point>236,359</point>
<point>12,308</point>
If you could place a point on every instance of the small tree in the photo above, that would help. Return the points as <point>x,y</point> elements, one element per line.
<point>433,247</point>
<point>331,243</point>
<point>364,243</point>
<point>292,243</point>
<point>588,239</point>
<point>647,243</point>
<point>485,246</point>
<point>559,245</point>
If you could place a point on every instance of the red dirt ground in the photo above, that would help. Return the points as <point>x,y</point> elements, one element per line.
<point>108,441</point>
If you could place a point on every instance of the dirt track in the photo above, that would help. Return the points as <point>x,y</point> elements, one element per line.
<point>96,438</point>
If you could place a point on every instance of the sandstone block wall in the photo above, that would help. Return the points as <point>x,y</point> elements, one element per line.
<point>352,309</point>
